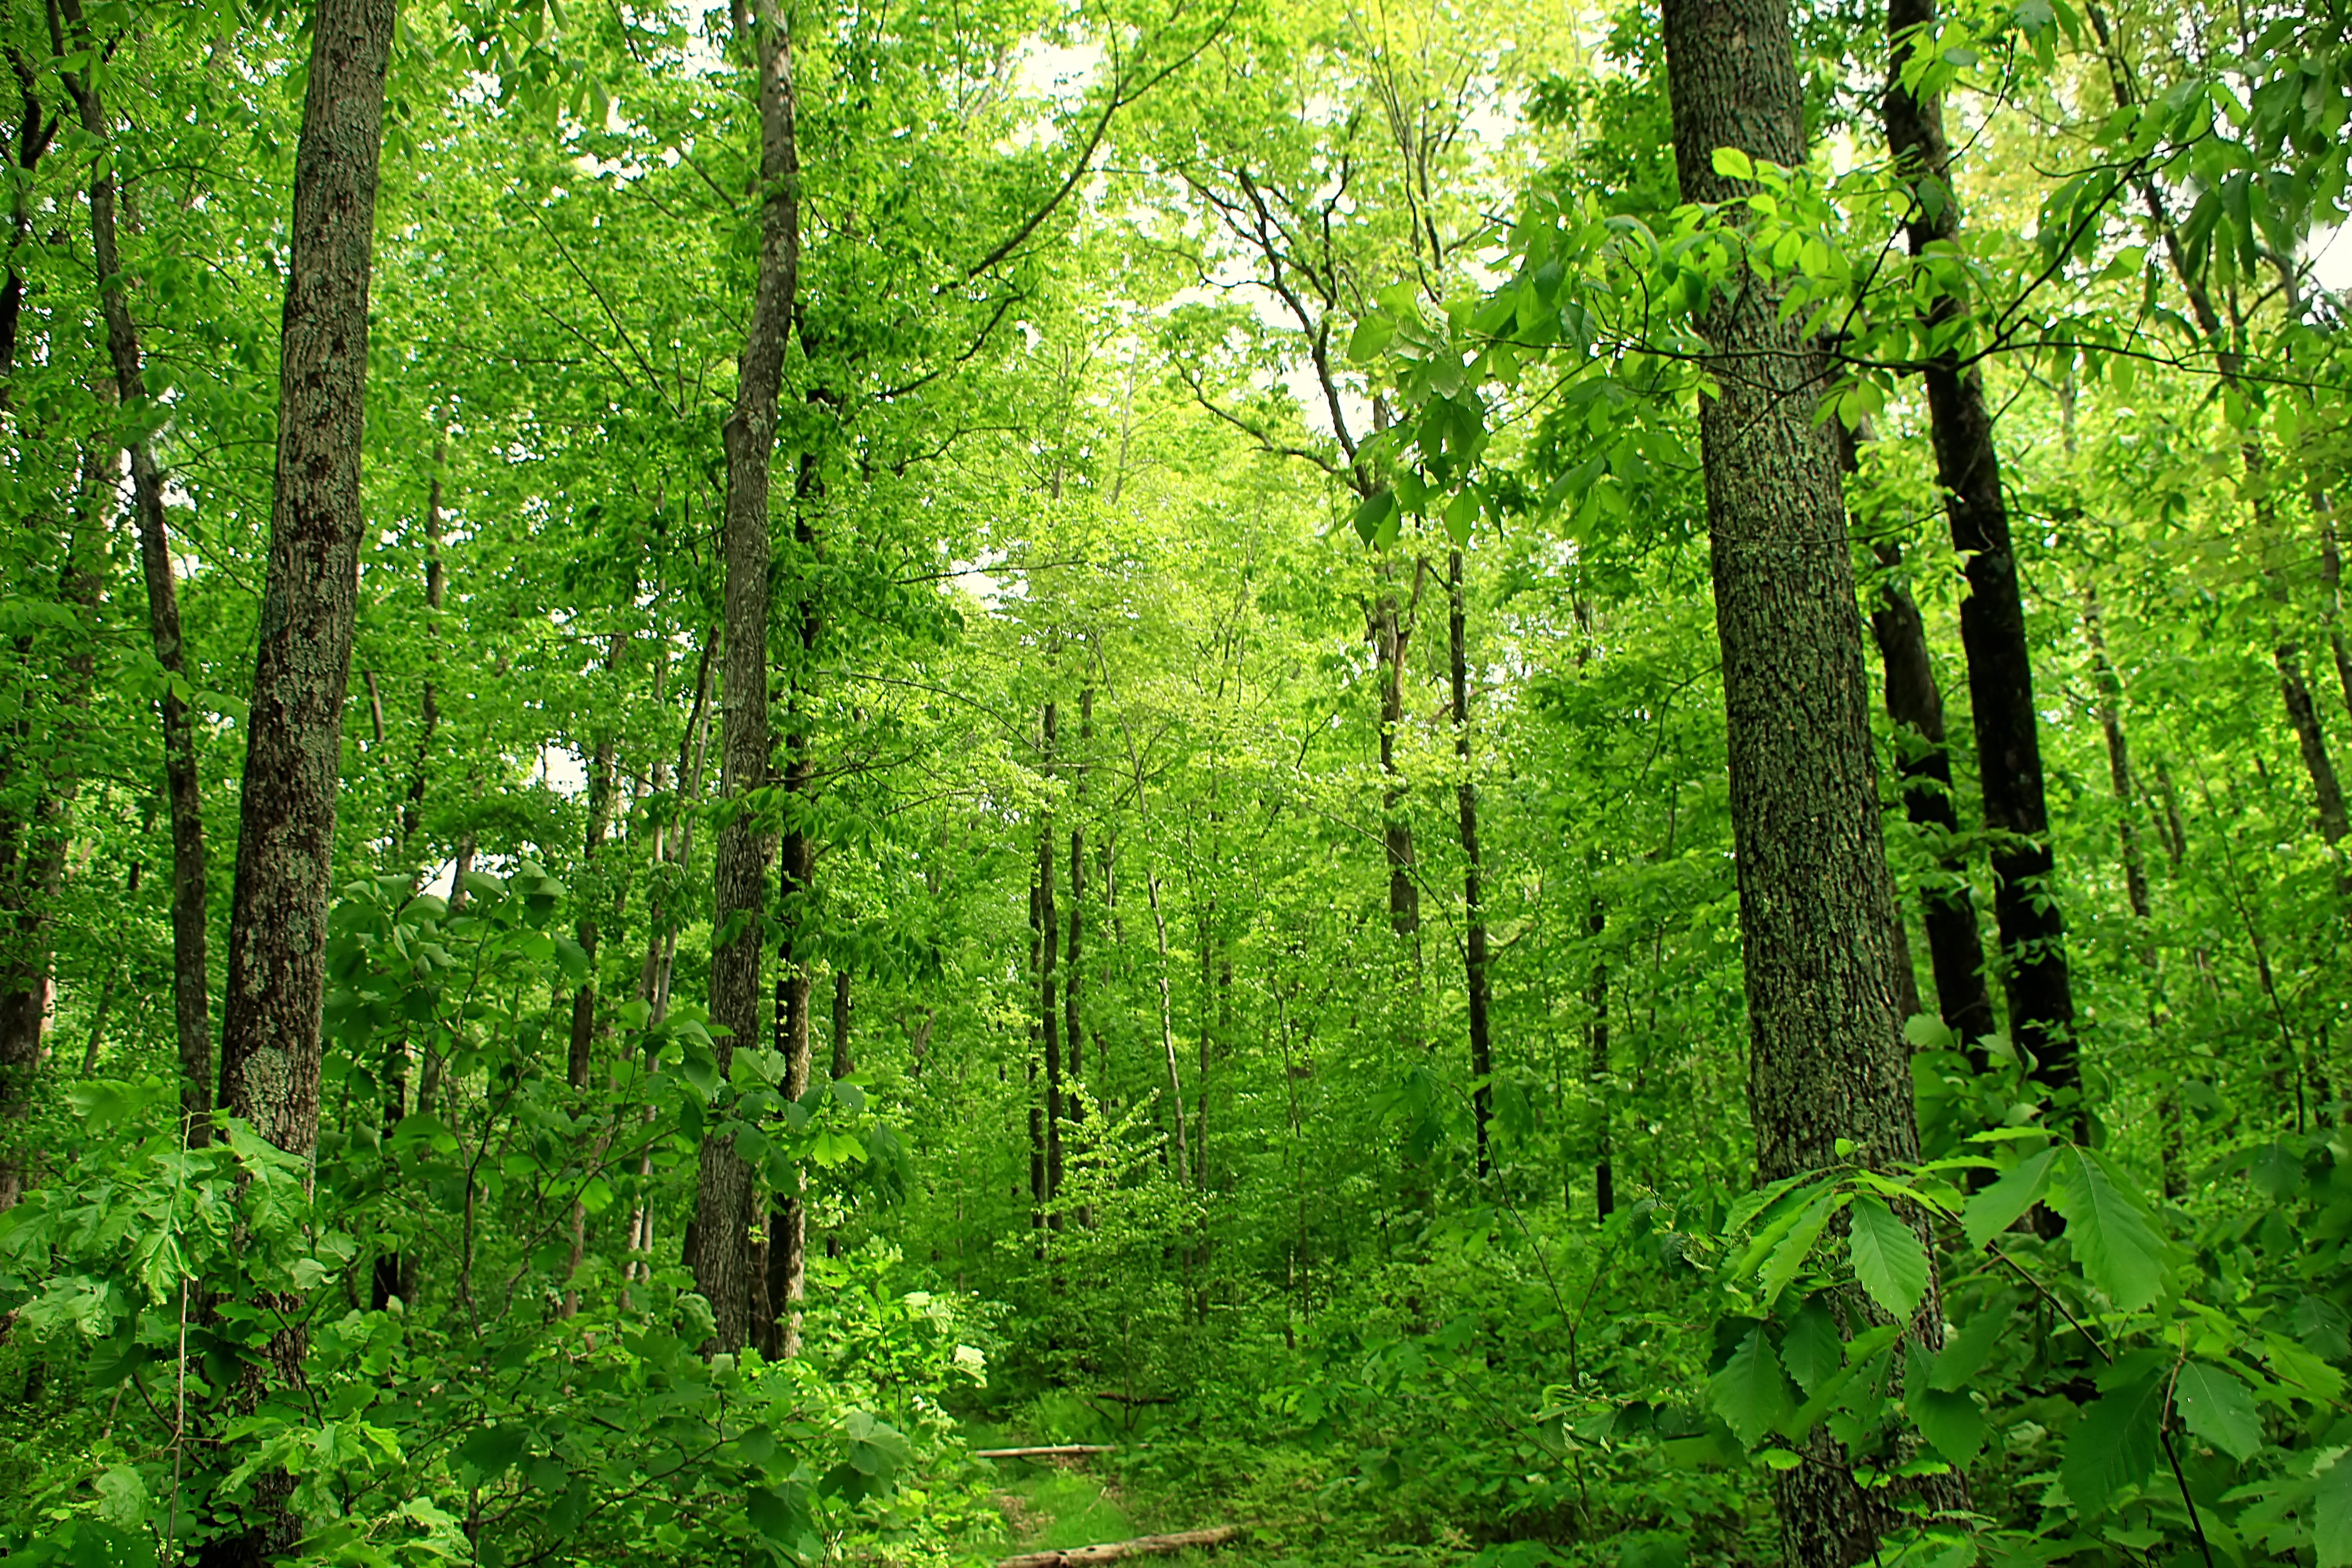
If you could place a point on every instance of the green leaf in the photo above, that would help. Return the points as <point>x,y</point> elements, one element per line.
<point>1995,1208</point>
<point>2112,1241</point>
<point>1888,1258</point>
<point>1462,516</point>
<point>1812,1348</point>
<point>2115,1445</point>
<point>1965,1353</point>
<point>2331,1524</point>
<point>2217,1407</point>
<point>1797,1245</point>
<point>1377,508</point>
<point>1949,1420</point>
<point>1749,1393</point>
<point>1734,165</point>
<point>1372,336</point>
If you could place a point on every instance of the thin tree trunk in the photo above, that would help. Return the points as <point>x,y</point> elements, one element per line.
<point>1160,937</point>
<point>1049,1012</point>
<point>1596,1072</point>
<point>722,1215</point>
<point>1816,903</point>
<point>191,1008</point>
<point>1992,617</point>
<point>1074,970</point>
<point>278,920</point>
<point>437,588</point>
<point>34,130</point>
<point>1474,909</point>
<point>603,789</point>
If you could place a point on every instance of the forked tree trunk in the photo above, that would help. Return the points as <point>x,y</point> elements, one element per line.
<point>191,1008</point>
<point>278,915</point>
<point>723,1194</point>
<point>1816,905</point>
<point>1992,617</point>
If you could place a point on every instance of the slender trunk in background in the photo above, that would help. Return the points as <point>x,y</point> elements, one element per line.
<point>1392,636</point>
<point>843,1061</point>
<point>278,915</point>
<point>1948,910</point>
<point>1072,968</point>
<point>1596,1072</point>
<point>2286,653</point>
<point>722,1205</point>
<point>604,789</point>
<point>1992,617</point>
<point>1816,904</point>
<point>1036,1051</point>
<point>2119,775</point>
<point>1160,937</point>
<point>1474,909</point>
<point>33,851</point>
<point>1049,1011</point>
<point>34,130</point>
<point>783,1277</point>
<point>190,1005</point>
<point>436,590</point>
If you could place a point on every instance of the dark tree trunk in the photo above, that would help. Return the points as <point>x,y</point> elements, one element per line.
<point>843,1061</point>
<point>1074,966</point>
<point>1948,910</point>
<point>1049,1011</point>
<point>1596,1072</point>
<point>1474,909</point>
<point>1816,905</point>
<point>33,850</point>
<point>1993,618</point>
<point>722,1212</point>
<point>34,130</point>
<point>436,589</point>
<point>191,1008</point>
<point>278,916</point>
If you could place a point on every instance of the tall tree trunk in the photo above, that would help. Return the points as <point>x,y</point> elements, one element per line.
<point>1074,970</point>
<point>1392,636</point>
<point>436,589</point>
<point>1992,617</point>
<point>1474,909</point>
<point>1596,1071</point>
<point>277,918</point>
<point>191,1008</point>
<point>604,791</point>
<point>1914,702</point>
<point>1049,1011</point>
<point>35,128</point>
<point>1816,904</point>
<point>33,850</point>
<point>1160,937</point>
<point>722,1209</point>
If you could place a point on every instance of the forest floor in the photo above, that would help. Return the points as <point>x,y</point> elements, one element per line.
<point>1057,1504</point>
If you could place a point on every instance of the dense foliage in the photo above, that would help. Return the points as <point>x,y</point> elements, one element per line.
<point>1254,938</point>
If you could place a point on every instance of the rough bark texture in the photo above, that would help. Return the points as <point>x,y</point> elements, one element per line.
<point>277,919</point>
<point>436,590</point>
<point>722,1213</point>
<point>1596,1073</point>
<point>34,130</point>
<point>1049,1011</point>
<point>191,1010</point>
<point>1816,906</point>
<point>1074,966</point>
<point>1992,617</point>
<point>1474,908</point>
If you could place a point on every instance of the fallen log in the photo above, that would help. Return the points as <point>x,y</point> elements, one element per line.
<point>1119,1550</point>
<point>1048,1451</point>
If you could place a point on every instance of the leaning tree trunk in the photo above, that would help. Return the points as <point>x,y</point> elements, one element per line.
<point>191,1010</point>
<point>722,1212</point>
<point>277,912</point>
<point>1992,617</point>
<point>1474,909</point>
<point>1816,906</point>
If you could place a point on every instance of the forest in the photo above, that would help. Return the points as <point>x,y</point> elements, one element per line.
<point>1241,782</point>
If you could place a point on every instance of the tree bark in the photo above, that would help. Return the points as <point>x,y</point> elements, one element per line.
<point>1049,1012</point>
<point>722,1213</point>
<point>34,130</point>
<point>1992,617</point>
<point>277,921</point>
<point>1596,1071</point>
<point>437,588</point>
<point>191,1008</point>
<point>1816,904</point>
<point>1474,909</point>
<point>1914,702</point>
<point>1074,966</point>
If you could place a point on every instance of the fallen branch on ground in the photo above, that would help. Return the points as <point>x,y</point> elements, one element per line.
<point>1049,1451</point>
<point>1119,1551</point>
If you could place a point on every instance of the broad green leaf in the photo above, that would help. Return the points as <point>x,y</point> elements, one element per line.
<point>1749,1393</point>
<point>1734,165</point>
<point>2331,1520</point>
<point>1377,509</point>
<point>2115,1445</point>
<point>1372,336</point>
<point>1949,1420</point>
<point>1789,1257</point>
<point>1812,1348</point>
<point>1888,1258</point>
<point>1965,1352</point>
<point>2112,1241</point>
<point>2217,1407</point>
<point>1995,1208</point>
